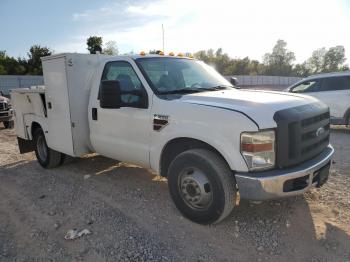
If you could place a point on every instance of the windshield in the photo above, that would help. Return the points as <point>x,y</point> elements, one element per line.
<point>307,86</point>
<point>179,75</point>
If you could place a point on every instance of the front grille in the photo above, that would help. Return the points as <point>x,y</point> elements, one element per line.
<point>302,133</point>
<point>3,106</point>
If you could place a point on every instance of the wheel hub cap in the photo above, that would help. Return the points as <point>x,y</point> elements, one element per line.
<point>195,188</point>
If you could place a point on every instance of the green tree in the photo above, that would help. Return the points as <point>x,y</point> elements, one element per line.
<point>228,66</point>
<point>331,60</point>
<point>34,59</point>
<point>10,65</point>
<point>334,59</point>
<point>221,60</point>
<point>111,48</point>
<point>316,61</point>
<point>217,58</point>
<point>3,71</point>
<point>94,44</point>
<point>302,69</point>
<point>280,60</point>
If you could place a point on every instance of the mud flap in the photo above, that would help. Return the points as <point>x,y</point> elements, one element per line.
<point>25,146</point>
<point>322,175</point>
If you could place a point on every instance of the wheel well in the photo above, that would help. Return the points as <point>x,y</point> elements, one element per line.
<point>179,145</point>
<point>34,127</point>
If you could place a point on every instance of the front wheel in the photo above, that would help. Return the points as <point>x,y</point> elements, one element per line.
<point>47,157</point>
<point>202,186</point>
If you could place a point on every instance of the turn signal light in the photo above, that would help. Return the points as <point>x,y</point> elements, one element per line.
<point>255,148</point>
<point>258,149</point>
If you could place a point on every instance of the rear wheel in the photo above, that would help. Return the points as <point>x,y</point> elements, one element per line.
<point>202,186</point>
<point>47,157</point>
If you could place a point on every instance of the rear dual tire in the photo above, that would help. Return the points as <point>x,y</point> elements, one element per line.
<point>202,186</point>
<point>47,157</point>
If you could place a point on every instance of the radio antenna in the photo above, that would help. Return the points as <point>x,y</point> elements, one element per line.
<point>163,36</point>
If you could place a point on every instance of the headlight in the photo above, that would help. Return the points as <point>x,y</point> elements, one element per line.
<point>258,149</point>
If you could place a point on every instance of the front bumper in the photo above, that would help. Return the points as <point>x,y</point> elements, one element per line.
<point>6,115</point>
<point>286,182</point>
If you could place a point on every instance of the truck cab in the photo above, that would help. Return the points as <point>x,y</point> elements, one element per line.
<point>179,117</point>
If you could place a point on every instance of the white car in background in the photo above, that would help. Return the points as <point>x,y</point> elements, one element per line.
<point>333,89</point>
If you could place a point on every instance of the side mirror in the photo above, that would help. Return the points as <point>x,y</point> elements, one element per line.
<point>234,81</point>
<point>110,95</point>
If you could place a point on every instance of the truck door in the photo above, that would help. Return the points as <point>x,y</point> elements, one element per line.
<point>122,133</point>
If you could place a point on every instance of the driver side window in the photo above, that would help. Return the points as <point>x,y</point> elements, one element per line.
<point>128,80</point>
<point>307,86</point>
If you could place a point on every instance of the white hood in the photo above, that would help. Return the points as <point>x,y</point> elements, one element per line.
<point>258,105</point>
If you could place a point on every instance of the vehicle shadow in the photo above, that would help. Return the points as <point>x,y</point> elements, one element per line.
<point>340,129</point>
<point>282,230</point>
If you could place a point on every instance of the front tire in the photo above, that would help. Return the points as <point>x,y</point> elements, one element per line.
<point>202,186</point>
<point>47,157</point>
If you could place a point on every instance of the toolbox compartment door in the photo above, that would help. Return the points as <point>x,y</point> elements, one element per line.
<point>59,136</point>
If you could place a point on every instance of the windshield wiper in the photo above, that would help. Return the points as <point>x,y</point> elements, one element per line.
<point>195,90</point>
<point>183,91</point>
<point>220,87</point>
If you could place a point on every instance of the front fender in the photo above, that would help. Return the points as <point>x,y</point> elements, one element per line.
<point>217,127</point>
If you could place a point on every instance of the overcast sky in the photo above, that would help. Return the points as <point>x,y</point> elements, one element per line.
<point>241,27</point>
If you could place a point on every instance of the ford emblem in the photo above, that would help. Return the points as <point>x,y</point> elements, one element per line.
<point>320,131</point>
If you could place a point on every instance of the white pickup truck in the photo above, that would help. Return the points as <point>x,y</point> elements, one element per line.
<point>180,118</point>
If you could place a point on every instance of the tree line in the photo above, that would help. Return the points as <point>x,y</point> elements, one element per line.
<point>24,66</point>
<point>278,62</point>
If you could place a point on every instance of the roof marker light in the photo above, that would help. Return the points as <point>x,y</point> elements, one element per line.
<point>161,53</point>
<point>142,53</point>
<point>180,54</point>
<point>171,53</point>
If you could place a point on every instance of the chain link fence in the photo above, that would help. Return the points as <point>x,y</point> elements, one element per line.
<point>259,80</point>
<point>8,82</point>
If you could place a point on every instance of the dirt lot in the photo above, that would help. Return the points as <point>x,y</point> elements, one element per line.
<point>132,218</point>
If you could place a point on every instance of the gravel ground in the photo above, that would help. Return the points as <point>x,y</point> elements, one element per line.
<point>132,218</point>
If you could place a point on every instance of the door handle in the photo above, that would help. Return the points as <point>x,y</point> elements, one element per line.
<point>94,113</point>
